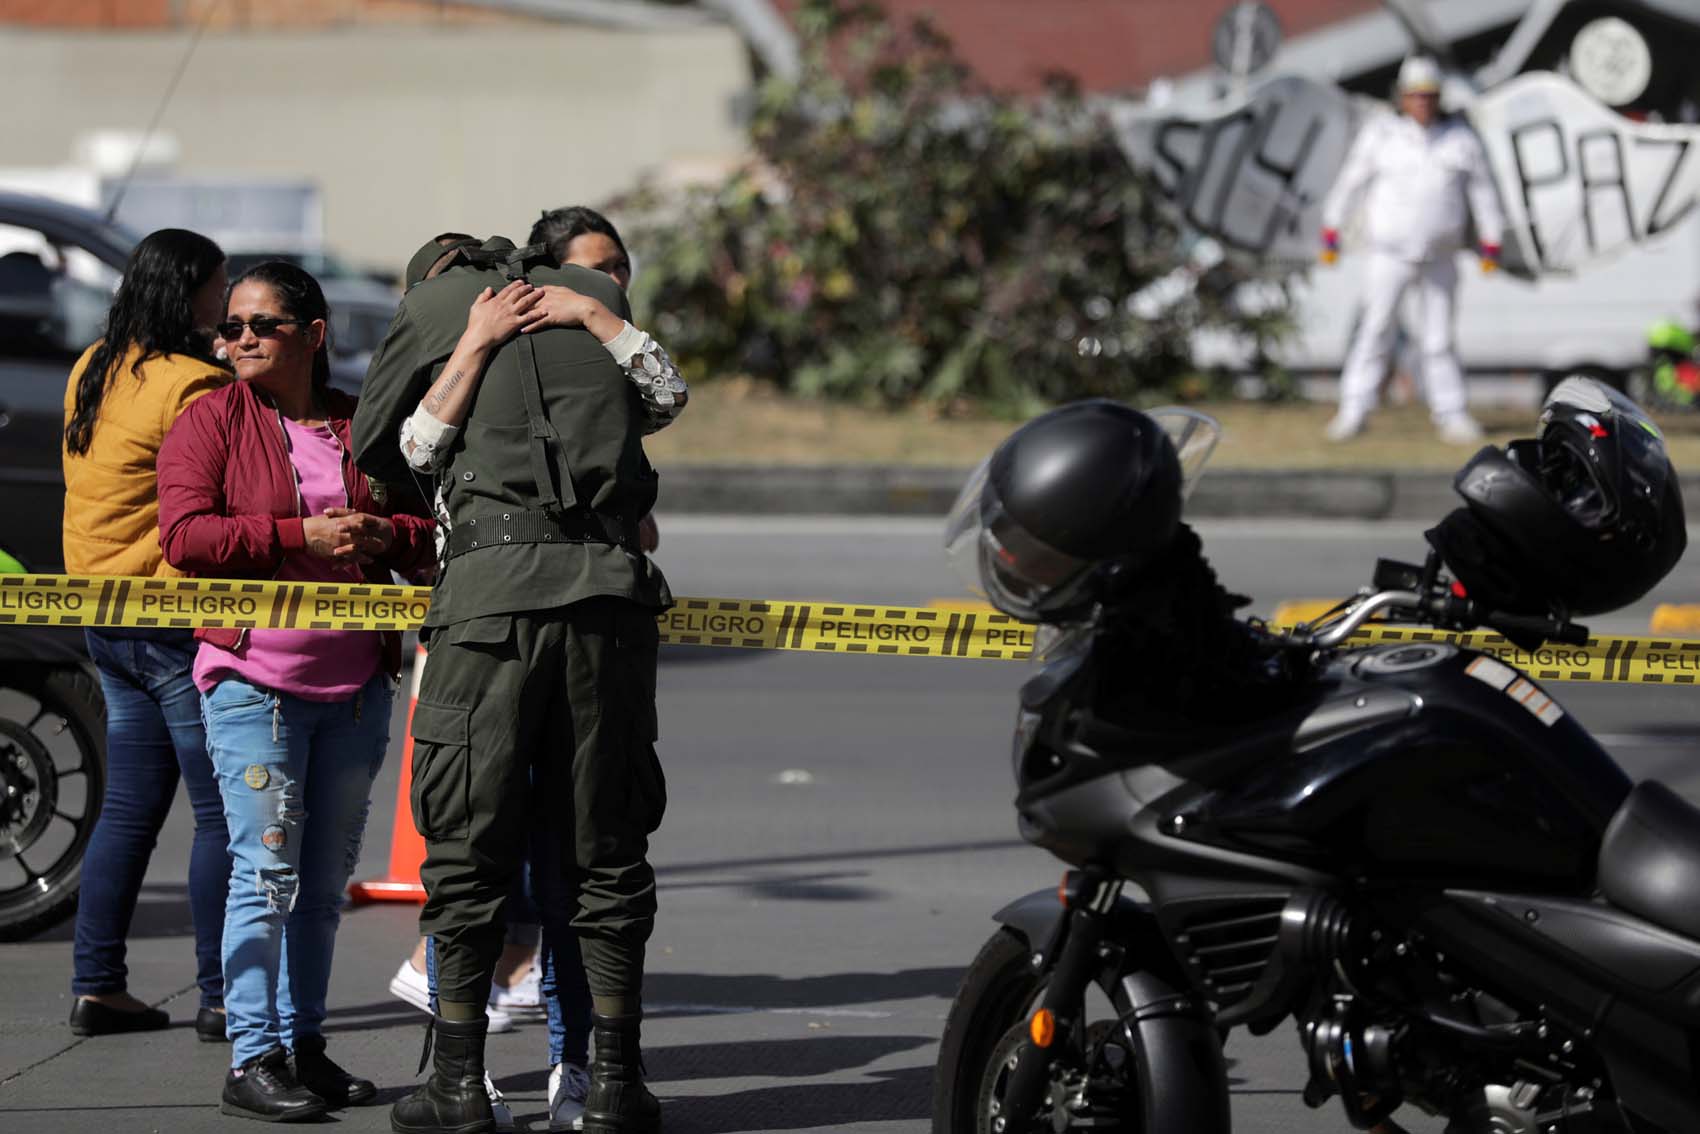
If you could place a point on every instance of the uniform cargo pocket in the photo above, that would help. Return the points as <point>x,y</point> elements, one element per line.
<point>442,770</point>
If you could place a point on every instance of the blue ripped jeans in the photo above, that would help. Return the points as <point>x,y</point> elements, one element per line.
<point>296,778</point>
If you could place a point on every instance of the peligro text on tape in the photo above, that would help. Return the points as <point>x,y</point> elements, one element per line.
<point>843,628</point>
<point>1641,661</point>
<point>818,627</point>
<point>81,600</point>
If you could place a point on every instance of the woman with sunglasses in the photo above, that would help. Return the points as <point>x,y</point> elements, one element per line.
<point>124,393</point>
<point>256,481</point>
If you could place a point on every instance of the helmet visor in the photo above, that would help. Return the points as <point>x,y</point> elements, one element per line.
<point>1001,561</point>
<point>1194,436</point>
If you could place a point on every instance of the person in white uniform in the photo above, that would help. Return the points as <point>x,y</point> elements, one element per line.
<point>1422,177</point>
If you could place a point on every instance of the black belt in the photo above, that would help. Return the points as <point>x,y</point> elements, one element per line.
<point>500,529</point>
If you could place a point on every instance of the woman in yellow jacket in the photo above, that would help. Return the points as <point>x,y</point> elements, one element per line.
<point>123,395</point>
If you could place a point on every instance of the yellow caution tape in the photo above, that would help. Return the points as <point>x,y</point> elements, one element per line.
<point>94,600</point>
<point>81,600</point>
<point>1295,611</point>
<point>902,631</point>
<point>820,627</point>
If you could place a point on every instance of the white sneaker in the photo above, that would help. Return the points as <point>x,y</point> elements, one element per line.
<point>523,998</point>
<point>569,1085</point>
<point>409,984</point>
<point>1459,429</point>
<point>1344,427</point>
<point>499,1109</point>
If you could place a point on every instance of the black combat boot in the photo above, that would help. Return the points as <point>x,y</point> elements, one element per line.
<point>453,1100</point>
<point>618,1102</point>
<point>320,1074</point>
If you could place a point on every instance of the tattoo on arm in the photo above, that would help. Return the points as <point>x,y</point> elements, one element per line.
<point>438,394</point>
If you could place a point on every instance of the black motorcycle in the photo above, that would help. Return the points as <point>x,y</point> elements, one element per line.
<point>1457,894</point>
<point>1413,853</point>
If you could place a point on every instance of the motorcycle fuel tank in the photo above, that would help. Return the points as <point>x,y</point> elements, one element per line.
<point>1427,762</point>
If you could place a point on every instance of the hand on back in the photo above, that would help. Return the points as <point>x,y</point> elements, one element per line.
<point>496,316</point>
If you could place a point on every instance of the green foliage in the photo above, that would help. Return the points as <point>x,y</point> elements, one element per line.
<point>905,235</point>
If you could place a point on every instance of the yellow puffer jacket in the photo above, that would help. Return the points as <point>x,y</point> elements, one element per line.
<point>111,506</point>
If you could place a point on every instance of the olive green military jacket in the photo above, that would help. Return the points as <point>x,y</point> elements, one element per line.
<point>598,462</point>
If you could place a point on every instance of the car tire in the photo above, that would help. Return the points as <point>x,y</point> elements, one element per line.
<point>52,782</point>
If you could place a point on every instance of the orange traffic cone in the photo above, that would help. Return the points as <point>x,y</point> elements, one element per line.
<point>407,848</point>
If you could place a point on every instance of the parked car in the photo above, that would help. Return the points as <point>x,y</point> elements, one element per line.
<point>59,265</point>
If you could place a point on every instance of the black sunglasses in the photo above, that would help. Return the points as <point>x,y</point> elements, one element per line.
<point>263,327</point>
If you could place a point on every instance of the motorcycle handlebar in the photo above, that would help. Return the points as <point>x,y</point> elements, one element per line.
<point>1450,611</point>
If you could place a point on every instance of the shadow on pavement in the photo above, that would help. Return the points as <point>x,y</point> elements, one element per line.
<point>893,1096</point>
<point>802,1058</point>
<point>380,1014</point>
<point>672,870</point>
<point>685,994</point>
<point>822,887</point>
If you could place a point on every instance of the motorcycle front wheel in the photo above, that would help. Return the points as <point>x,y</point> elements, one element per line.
<point>52,781</point>
<point>987,1022</point>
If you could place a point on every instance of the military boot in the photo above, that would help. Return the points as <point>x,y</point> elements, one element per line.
<point>618,1102</point>
<point>452,1100</point>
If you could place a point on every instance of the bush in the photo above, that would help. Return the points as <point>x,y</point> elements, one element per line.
<point>905,235</point>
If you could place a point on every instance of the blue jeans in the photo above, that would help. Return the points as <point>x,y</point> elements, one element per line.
<point>566,992</point>
<point>153,736</point>
<point>296,777</point>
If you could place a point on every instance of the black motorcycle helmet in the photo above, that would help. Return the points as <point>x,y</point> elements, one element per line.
<point>1073,493</point>
<point>1584,519</point>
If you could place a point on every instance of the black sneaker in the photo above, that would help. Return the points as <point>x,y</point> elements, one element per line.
<point>265,1088</point>
<point>319,1073</point>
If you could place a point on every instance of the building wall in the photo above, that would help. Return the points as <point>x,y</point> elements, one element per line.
<point>106,14</point>
<point>1108,45</point>
<point>409,130</point>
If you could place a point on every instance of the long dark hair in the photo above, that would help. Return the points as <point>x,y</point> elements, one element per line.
<point>153,310</point>
<point>303,299</point>
<point>558,227</point>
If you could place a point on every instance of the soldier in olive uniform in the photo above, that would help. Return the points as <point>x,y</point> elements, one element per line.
<point>541,668</point>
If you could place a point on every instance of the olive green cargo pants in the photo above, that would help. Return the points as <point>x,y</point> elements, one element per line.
<point>539,718</point>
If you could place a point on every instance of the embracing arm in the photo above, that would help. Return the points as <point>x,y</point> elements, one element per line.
<point>494,318</point>
<point>646,364</point>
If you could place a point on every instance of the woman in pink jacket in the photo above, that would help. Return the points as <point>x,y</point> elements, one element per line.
<point>255,481</point>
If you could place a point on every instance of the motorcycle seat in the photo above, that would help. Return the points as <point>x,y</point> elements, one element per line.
<point>1650,858</point>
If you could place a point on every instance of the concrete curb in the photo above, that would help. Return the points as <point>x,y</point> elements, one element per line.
<point>1360,494</point>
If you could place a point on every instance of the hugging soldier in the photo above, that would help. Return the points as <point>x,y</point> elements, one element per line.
<point>539,690</point>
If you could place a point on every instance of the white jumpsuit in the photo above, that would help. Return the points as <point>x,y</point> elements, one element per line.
<point>1422,186</point>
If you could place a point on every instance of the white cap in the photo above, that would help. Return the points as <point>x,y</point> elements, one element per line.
<point>1419,75</point>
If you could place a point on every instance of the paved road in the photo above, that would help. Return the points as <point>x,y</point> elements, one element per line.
<point>838,834</point>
